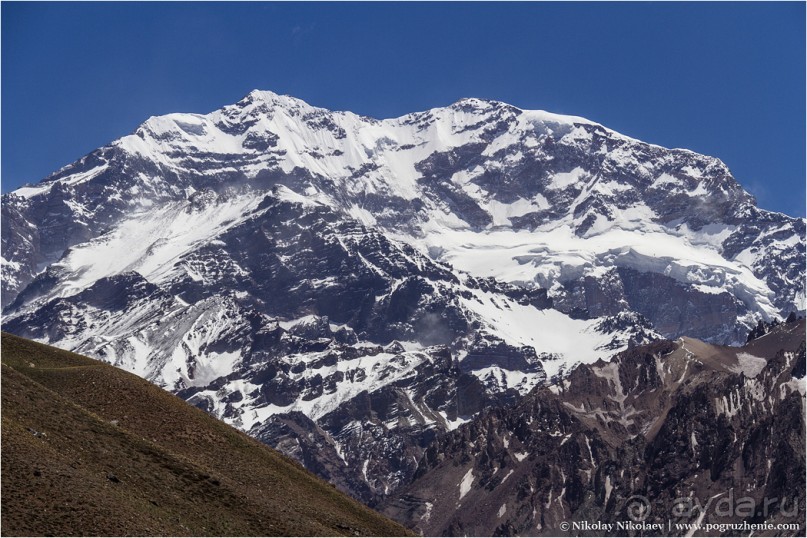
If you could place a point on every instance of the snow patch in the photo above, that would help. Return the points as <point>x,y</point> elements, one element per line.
<point>748,364</point>
<point>561,180</point>
<point>465,484</point>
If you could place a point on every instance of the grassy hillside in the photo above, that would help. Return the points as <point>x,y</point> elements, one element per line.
<point>88,449</point>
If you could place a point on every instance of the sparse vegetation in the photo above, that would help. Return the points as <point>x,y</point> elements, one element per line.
<point>88,449</point>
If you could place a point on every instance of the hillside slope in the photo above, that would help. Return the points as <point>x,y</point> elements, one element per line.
<point>88,449</point>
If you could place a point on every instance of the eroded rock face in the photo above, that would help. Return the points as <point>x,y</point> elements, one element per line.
<point>350,289</point>
<point>670,422</point>
<point>381,433</point>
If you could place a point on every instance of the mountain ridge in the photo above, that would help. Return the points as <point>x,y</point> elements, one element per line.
<point>660,425</point>
<point>388,279</point>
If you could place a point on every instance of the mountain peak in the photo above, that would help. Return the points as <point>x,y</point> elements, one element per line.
<point>478,102</point>
<point>273,99</point>
<point>282,266</point>
<point>478,165</point>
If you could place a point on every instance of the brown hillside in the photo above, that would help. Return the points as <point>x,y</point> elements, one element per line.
<point>88,449</point>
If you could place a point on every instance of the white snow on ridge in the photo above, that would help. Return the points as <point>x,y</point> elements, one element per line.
<point>561,180</point>
<point>303,143</point>
<point>453,424</point>
<point>548,331</point>
<point>380,370</point>
<point>546,256</point>
<point>501,213</point>
<point>30,191</point>
<point>150,242</point>
<point>504,379</point>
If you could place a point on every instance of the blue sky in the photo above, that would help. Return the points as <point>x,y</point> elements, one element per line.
<point>724,79</point>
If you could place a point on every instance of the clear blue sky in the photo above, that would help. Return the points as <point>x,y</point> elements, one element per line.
<point>724,79</point>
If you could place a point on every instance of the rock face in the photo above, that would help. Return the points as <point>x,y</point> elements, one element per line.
<point>349,289</point>
<point>662,427</point>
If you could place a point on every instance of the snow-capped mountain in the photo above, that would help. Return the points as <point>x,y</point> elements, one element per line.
<point>345,288</point>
